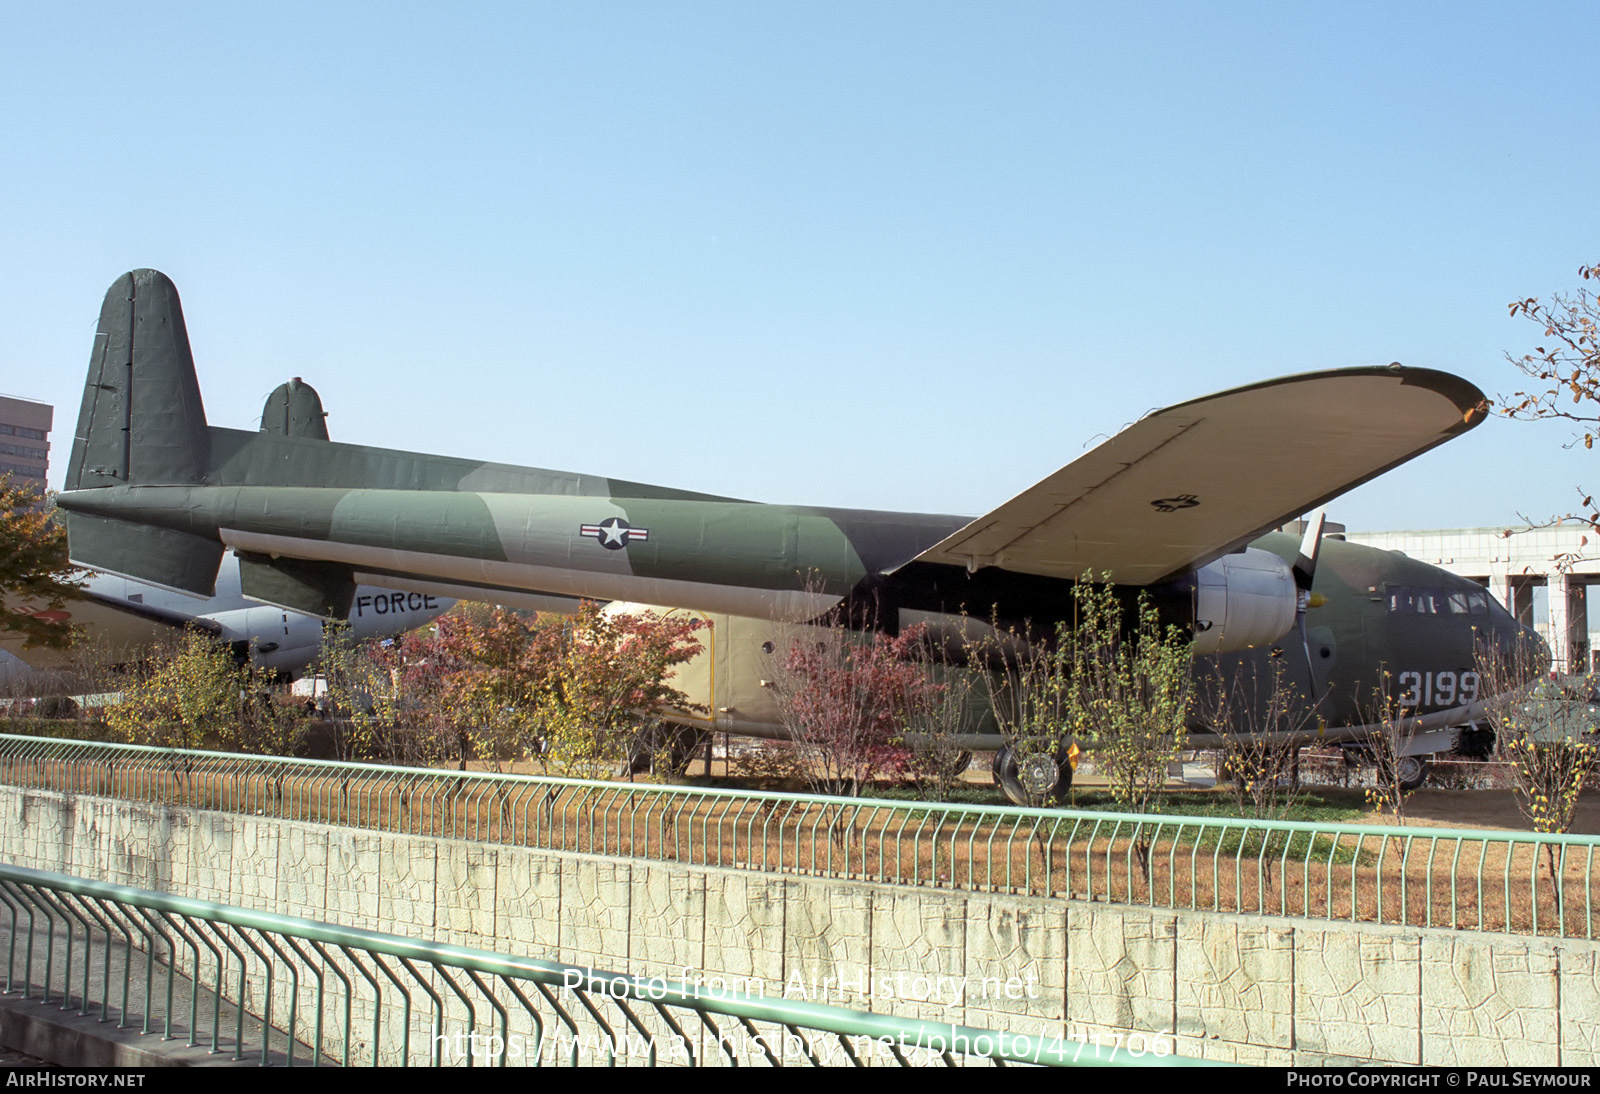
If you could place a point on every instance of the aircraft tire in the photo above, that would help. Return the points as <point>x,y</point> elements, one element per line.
<point>1413,772</point>
<point>1014,774</point>
<point>954,765</point>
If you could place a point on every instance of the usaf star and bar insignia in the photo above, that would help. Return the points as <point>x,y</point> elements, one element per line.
<point>614,533</point>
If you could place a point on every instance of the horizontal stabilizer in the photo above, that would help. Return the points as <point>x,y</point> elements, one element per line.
<point>112,627</point>
<point>315,588</point>
<point>145,552</point>
<point>1187,484</point>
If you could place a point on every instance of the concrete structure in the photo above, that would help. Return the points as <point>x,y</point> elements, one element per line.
<point>25,439</point>
<point>1254,989</point>
<point>1542,575</point>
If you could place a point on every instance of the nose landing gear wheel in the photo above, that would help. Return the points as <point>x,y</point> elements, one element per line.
<point>1031,777</point>
<point>1412,770</point>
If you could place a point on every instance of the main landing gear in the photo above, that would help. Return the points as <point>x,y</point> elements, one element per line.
<point>1032,776</point>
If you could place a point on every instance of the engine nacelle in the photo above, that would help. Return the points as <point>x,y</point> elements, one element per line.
<point>1243,600</point>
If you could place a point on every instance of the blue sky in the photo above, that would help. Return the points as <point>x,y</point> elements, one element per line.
<point>892,255</point>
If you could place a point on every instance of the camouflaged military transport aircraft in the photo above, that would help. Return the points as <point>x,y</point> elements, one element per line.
<point>1174,505</point>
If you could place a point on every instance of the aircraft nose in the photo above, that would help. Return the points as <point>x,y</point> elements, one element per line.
<point>1514,654</point>
<point>1527,655</point>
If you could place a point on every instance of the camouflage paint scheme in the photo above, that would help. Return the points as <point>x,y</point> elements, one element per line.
<point>156,493</point>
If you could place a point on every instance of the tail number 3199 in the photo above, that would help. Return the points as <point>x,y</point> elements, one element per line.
<point>1422,690</point>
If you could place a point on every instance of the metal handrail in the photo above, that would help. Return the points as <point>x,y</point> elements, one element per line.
<point>315,986</point>
<point>1514,882</point>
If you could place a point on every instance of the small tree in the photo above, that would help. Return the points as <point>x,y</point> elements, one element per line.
<point>606,686</point>
<point>1258,713</point>
<point>192,693</point>
<point>847,699</point>
<point>1543,731</point>
<point>181,696</point>
<point>491,685</point>
<point>1128,688</point>
<point>1031,697</point>
<point>570,691</point>
<point>36,578</point>
<point>1391,730</point>
<point>362,692</point>
<point>425,728</point>
<point>949,705</point>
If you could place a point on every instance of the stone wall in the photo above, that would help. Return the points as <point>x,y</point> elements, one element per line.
<point>1247,988</point>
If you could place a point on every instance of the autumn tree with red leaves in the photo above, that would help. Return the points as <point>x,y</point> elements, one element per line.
<point>36,580</point>
<point>484,680</point>
<point>571,692</point>
<point>427,729</point>
<point>847,700</point>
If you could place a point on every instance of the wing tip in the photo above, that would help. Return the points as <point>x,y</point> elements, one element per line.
<point>1470,403</point>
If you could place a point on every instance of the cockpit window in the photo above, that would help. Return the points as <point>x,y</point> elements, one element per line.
<point>1469,602</point>
<point>1422,600</point>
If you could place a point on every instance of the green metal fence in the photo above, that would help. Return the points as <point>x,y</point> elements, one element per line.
<point>1471,879</point>
<point>315,993</point>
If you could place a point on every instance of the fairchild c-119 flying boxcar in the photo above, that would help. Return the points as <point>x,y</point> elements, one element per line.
<point>1177,504</point>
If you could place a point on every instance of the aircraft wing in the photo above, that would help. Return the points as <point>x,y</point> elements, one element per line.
<point>119,624</point>
<point>1187,484</point>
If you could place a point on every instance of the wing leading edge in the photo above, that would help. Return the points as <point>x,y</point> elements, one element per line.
<point>1187,484</point>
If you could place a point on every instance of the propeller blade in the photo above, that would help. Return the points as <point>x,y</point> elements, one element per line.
<point>1305,565</point>
<point>1305,572</point>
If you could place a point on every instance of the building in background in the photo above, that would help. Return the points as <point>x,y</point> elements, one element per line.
<point>25,439</point>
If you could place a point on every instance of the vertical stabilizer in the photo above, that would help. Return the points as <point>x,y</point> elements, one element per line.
<point>295,409</point>
<point>142,422</point>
